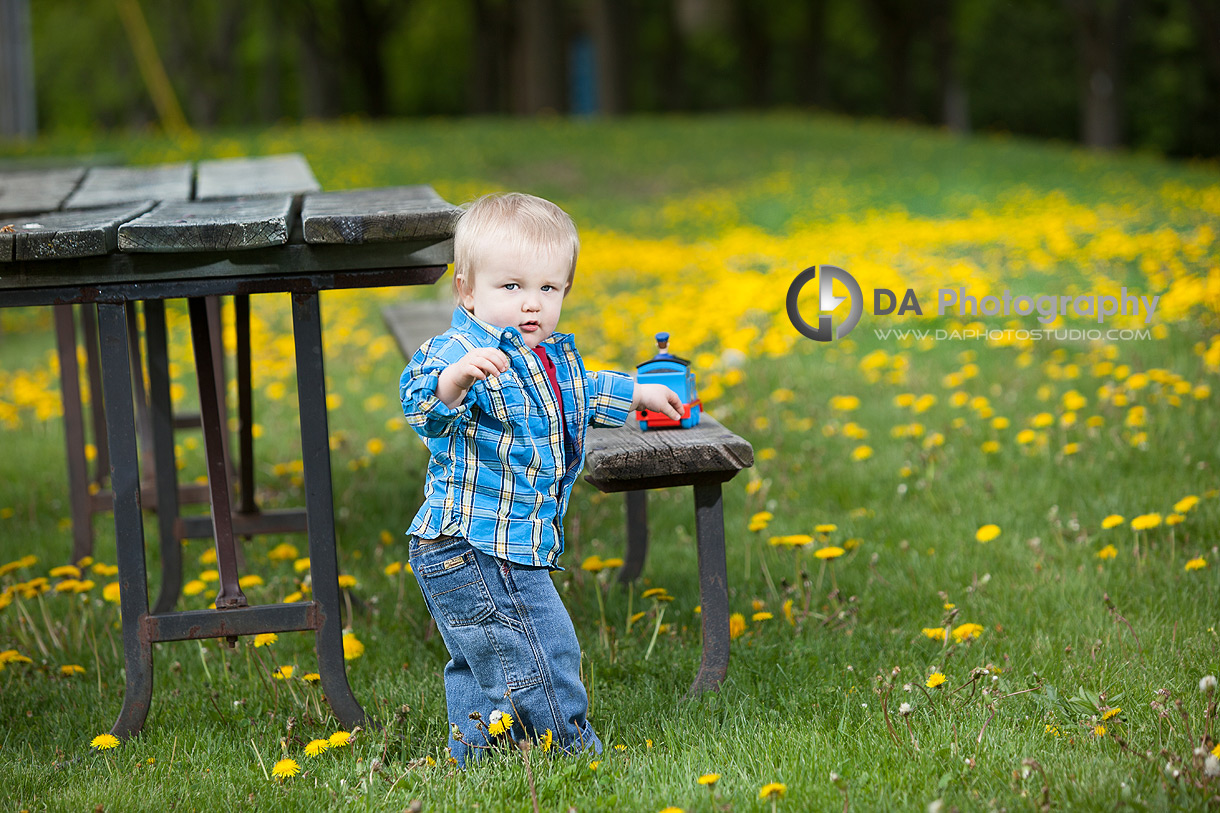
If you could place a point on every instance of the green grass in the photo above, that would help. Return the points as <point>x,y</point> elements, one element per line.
<point>800,701</point>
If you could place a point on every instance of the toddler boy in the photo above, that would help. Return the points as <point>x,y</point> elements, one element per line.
<point>503,402</point>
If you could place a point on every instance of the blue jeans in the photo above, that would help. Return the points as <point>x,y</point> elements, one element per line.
<point>512,647</point>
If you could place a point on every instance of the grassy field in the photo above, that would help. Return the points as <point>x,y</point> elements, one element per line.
<point>974,571</point>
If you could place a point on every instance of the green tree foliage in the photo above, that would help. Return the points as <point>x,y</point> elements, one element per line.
<point>1015,67</point>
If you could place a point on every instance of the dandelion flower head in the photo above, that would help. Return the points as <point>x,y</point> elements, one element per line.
<point>285,768</point>
<point>104,742</point>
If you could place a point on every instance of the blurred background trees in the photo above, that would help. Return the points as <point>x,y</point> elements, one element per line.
<point>1137,73</point>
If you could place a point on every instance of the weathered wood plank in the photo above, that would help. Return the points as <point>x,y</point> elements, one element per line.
<point>106,186</point>
<point>262,175</point>
<point>413,323</point>
<point>231,225</point>
<point>27,192</point>
<point>627,459</point>
<point>377,215</point>
<point>74,233</point>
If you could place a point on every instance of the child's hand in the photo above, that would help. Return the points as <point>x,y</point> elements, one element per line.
<point>658,398</point>
<point>457,379</point>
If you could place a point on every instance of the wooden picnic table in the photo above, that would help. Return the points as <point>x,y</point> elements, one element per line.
<point>112,237</point>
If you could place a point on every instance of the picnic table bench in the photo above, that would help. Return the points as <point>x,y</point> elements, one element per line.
<point>631,461</point>
<point>219,228</point>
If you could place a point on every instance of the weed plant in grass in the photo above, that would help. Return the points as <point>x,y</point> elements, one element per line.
<point>880,632</point>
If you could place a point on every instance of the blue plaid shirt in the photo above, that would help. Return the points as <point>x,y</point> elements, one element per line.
<point>502,468</point>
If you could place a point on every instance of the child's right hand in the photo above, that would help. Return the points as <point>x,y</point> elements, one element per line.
<point>477,365</point>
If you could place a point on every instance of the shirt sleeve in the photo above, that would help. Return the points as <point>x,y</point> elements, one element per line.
<point>610,396</point>
<point>425,412</point>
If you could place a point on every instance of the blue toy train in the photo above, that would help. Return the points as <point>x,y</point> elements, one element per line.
<point>675,373</point>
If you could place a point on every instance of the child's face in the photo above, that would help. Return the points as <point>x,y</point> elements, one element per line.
<point>520,289</point>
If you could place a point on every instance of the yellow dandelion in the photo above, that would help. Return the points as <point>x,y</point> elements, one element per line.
<point>1108,552</point>
<point>935,679</point>
<point>1175,519</point>
<point>285,769</point>
<point>347,582</point>
<point>1185,504</point>
<point>316,747</point>
<point>737,625</point>
<point>546,741</point>
<point>826,528</point>
<point>210,576</point>
<point>594,764</point>
<point>339,739</point>
<point>672,809</point>
<point>773,789</point>
<point>987,533</point>
<point>762,616</point>
<point>863,452</point>
<point>284,672</point>
<point>68,571</point>
<point>393,568</point>
<point>311,677</point>
<point>352,648</point>
<point>1110,713</point>
<point>1197,563</point>
<point>654,592</point>
<point>500,722</point>
<point>709,779</point>
<point>829,552</point>
<point>70,669</point>
<point>1099,730</point>
<point>935,633</point>
<point>593,564</point>
<point>283,552</point>
<point>760,520</point>
<point>104,742</point>
<point>111,592</point>
<point>966,631</point>
<point>193,588</point>
<point>293,598</point>
<point>1112,521</point>
<point>301,565</point>
<point>252,580</point>
<point>609,563</point>
<point>1145,522</point>
<point>265,639</point>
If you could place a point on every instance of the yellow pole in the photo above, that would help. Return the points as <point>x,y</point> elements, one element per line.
<point>151,67</point>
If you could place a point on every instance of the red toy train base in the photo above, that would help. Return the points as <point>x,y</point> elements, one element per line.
<point>657,420</point>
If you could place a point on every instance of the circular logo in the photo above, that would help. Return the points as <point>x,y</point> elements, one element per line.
<point>827,302</point>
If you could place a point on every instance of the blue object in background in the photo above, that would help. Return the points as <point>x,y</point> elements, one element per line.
<point>582,73</point>
<point>675,373</point>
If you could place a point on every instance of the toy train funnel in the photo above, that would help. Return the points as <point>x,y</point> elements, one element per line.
<point>675,373</point>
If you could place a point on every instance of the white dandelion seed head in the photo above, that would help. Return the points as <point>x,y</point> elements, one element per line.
<point>495,716</point>
<point>936,805</point>
<point>906,687</point>
<point>1207,684</point>
<point>905,709</point>
<point>1211,765</point>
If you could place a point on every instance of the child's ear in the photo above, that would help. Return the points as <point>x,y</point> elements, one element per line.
<point>465,294</point>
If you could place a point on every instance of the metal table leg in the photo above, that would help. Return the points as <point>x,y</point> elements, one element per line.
<point>713,589</point>
<point>165,466</point>
<point>637,536</point>
<point>214,448</point>
<point>74,433</point>
<point>319,504</point>
<point>128,520</point>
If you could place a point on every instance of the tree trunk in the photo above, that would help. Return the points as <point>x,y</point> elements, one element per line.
<point>364,25</point>
<point>491,38</point>
<point>540,57</point>
<point>955,113</point>
<point>610,24</point>
<point>754,51</point>
<point>1100,30</point>
<point>896,21</point>
<point>812,89</point>
<point>18,114</point>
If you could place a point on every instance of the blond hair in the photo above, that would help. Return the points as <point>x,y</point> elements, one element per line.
<point>511,220</point>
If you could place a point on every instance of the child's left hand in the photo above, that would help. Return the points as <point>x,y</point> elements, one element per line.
<point>658,398</point>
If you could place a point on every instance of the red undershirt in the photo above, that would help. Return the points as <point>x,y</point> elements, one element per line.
<point>549,367</point>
